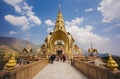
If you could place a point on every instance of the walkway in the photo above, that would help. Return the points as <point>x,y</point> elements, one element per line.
<point>59,70</point>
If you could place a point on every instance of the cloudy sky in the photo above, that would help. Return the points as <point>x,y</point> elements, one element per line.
<point>96,21</point>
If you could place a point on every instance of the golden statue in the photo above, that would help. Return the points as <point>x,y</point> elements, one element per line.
<point>112,64</point>
<point>11,63</point>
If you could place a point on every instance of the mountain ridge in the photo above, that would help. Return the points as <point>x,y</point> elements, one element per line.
<point>10,45</point>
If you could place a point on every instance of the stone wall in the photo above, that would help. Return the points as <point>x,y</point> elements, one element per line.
<point>24,72</point>
<point>95,72</point>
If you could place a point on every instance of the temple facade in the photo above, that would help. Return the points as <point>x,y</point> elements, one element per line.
<point>59,41</point>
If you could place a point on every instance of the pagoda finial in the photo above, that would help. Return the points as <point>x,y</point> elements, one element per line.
<point>91,45</point>
<point>59,7</point>
<point>59,25</point>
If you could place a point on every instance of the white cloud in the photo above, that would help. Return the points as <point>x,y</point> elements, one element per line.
<point>108,28</point>
<point>109,9</point>
<point>25,27</point>
<point>27,18</point>
<point>15,20</point>
<point>27,38</point>
<point>35,19</point>
<point>49,22</point>
<point>84,36</point>
<point>88,28</point>
<point>89,10</point>
<point>21,21</point>
<point>118,25</point>
<point>50,30</point>
<point>12,33</point>
<point>17,9</point>
<point>75,21</point>
<point>13,2</point>
<point>28,35</point>
<point>118,36</point>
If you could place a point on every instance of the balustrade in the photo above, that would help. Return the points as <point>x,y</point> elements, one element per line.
<point>27,71</point>
<point>95,72</point>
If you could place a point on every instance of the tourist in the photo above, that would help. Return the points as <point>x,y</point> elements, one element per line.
<point>52,58</point>
<point>61,57</point>
<point>49,58</point>
<point>57,58</point>
<point>64,58</point>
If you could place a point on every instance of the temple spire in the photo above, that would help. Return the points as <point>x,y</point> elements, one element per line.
<point>59,7</point>
<point>59,25</point>
<point>91,45</point>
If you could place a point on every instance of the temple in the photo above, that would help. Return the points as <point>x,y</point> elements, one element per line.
<point>59,41</point>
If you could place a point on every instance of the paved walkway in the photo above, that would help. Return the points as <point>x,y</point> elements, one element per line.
<point>59,70</point>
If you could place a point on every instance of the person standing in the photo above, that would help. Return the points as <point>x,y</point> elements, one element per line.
<point>64,58</point>
<point>61,57</point>
<point>52,58</point>
<point>49,57</point>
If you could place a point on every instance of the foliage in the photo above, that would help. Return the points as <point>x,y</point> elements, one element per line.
<point>2,63</point>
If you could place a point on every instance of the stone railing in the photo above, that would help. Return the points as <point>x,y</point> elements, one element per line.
<point>95,72</point>
<point>24,72</point>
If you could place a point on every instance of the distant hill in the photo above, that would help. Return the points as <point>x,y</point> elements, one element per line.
<point>14,45</point>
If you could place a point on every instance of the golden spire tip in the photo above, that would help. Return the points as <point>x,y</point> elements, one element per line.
<point>59,7</point>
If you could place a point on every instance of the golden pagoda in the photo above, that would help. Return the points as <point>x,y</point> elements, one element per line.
<point>59,41</point>
<point>112,64</point>
<point>11,63</point>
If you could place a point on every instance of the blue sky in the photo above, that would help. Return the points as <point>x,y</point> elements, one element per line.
<point>88,21</point>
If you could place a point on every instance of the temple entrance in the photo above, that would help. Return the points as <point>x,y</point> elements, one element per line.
<point>59,47</point>
<point>59,52</point>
